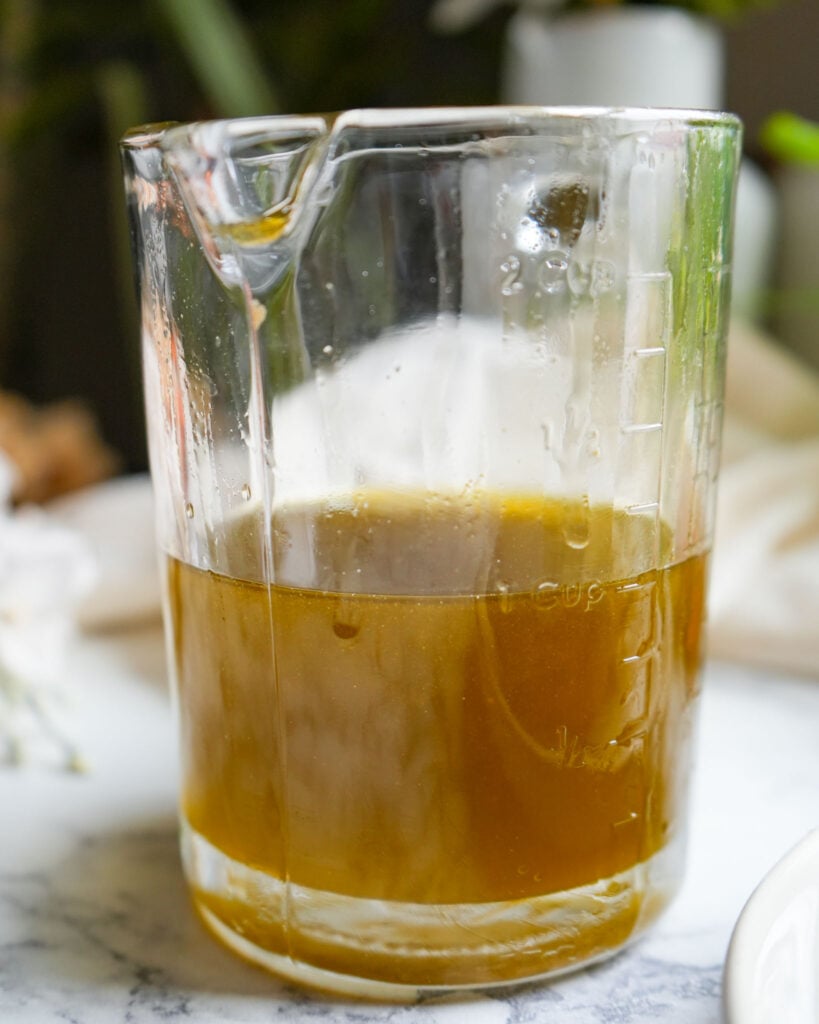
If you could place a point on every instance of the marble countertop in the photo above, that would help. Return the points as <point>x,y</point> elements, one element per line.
<point>95,924</point>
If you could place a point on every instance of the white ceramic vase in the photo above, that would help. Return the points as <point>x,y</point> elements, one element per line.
<point>642,56</point>
<point>625,56</point>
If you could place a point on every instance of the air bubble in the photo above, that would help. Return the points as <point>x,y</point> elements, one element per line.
<point>189,511</point>
<point>327,350</point>
<point>246,492</point>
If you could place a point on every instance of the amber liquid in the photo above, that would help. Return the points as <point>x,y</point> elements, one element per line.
<point>452,709</point>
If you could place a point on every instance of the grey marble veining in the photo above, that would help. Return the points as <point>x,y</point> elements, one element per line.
<point>96,926</point>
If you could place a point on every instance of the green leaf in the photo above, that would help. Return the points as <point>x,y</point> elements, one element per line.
<point>221,55</point>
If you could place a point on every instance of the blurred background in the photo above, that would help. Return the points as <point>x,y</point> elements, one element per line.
<point>74,74</point>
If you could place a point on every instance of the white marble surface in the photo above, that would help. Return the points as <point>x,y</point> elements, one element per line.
<point>95,925</point>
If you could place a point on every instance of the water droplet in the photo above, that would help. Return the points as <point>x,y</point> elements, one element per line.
<point>576,526</point>
<point>365,273</point>
<point>576,535</point>
<point>189,510</point>
<point>327,350</point>
<point>246,492</point>
<point>345,630</point>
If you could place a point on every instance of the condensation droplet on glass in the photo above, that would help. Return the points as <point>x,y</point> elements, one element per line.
<point>576,536</point>
<point>345,630</point>
<point>433,279</point>
<point>576,526</point>
<point>365,273</point>
<point>189,512</point>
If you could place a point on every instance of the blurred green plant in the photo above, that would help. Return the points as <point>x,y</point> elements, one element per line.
<point>791,139</point>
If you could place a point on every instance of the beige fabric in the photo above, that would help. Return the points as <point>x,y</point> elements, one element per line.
<point>764,603</point>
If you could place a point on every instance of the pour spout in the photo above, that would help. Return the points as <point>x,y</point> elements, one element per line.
<point>245,184</point>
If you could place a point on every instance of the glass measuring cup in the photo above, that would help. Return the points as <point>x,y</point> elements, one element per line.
<point>434,405</point>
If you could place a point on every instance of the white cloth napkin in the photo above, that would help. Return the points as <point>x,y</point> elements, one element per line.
<point>764,602</point>
<point>45,569</point>
<point>116,521</point>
